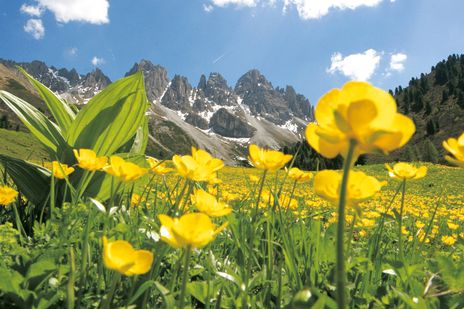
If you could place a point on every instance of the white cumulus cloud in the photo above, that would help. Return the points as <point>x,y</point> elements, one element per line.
<point>31,10</point>
<point>35,28</point>
<point>313,9</point>
<point>397,62</point>
<point>208,8</point>
<point>96,61</point>
<point>361,66</point>
<point>307,9</point>
<point>89,11</point>
<point>240,3</point>
<point>72,52</point>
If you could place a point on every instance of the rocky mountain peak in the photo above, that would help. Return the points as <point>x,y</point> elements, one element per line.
<point>177,96</point>
<point>253,80</point>
<point>96,80</point>
<point>156,78</point>
<point>202,83</point>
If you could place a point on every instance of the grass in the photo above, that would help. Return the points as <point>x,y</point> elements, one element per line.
<point>283,257</point>
<point>21,145</point>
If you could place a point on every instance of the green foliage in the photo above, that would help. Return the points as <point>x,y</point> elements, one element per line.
<point>308,159</point>
<point>109,123</point>
<point>430,152</point>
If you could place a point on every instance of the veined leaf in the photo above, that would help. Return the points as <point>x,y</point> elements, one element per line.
<point>32,180</point>
<point>61,111</point>
<point>47,132</point>
<point>111,118</point>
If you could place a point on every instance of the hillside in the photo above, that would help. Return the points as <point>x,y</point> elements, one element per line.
<point>212,115</point>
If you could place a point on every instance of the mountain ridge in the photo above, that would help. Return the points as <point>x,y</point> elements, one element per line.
<point>213,115</point>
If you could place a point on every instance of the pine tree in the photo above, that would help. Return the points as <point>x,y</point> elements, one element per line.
<point>430,152</point>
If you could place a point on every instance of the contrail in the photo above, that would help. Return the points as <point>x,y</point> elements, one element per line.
<point>219,58</point>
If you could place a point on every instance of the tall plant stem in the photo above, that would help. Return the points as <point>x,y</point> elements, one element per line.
<point>184,277</point>
<point>400,221</point>
<point>340,270</point>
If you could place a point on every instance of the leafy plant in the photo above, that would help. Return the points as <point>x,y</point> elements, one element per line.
<point>112,122</point>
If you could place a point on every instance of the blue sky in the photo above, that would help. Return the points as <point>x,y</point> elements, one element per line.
<point>313,45</point>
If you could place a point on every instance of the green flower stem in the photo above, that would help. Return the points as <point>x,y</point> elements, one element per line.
<point>19,225</point>
<point>258,199</point>
<point>52,197</point>
<point>184,277</point>
<point>340,270</point>
<point>85,248</point>
<point>70,287</point>
<point>109,299</point>
<point>400,221</point>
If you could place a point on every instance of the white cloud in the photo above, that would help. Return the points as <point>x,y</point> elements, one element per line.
<point>72,52</point>
<point>89,11</point>
<point>35,28</point>
<point>31,10</point>
<point>307,9</point>
<point>208,8</point>
<point>359,66</point>
<point>314,9</point>
<point>397,62</point>
<point>96,61</point>
<point>239,3</point>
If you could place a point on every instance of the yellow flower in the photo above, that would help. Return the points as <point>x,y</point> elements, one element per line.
<point>125,171</point>
<point>7,195</point>
<point>136,199</point>
<point>264,159</point>
<point>61,170</point>
<point>208,204</point>
<point>158,167</point>
<point>87,159</point>
<point>194,229</point>
<point>449,240</point>
<point>119,255</point>
<point>200,166</point>
<point>456,148</point>
<point>403,170</point>
<point>298,175</point>
<point>358,112</point>
<point>254,179</point>
<point>451,225</point>
<point>360,186</point>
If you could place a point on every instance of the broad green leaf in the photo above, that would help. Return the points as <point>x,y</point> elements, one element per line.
<point>32,180</point>
<point>60,110</point>
<point>111,118</point>
<point>47,132</point>
<point>138,143</point>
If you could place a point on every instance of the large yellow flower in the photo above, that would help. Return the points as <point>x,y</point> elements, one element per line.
<point>7,195</point>
<point>125,171</point>
<point>200,166</point>
<point>87,159</point>
<point>402,170</point>
<point>456,148</point>
<point>298,175</point>
<point>264,159</point>
<point>119,255</point>
<point>358,112</point>
<point>158,167</point>
<point>360,187</point>
<point>61,170</point>
<point>193,230</point>
<point>208,204</point>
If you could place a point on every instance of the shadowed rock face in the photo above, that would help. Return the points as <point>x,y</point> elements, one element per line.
<point>229,125</point>
<point>156,78</point>
<point>178,94</point>
<point>276,105</point>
